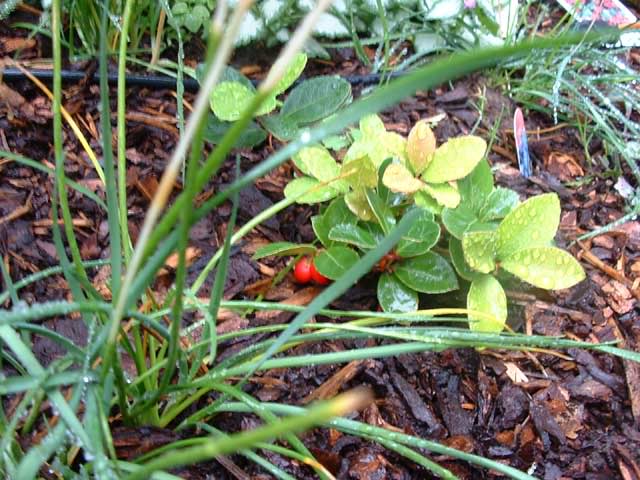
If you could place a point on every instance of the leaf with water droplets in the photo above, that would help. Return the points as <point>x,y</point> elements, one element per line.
<point>293,71</point>
<point>499,203</point>
<point>315,99</point>
<point>360,173</point>
<point>317,162</point>
<point>479,250</point>
<point>399,179</point>
<point>455,159</point>
<point>421,143</point>
<point>476,187</point>
<point>487,296</point>
<point>371,125</point>
<point>544,267</point>
<point>395,296</point>
<point>428,273</point>
<point>532,224</point>
<point>457,220</point>
<point>230,99</point>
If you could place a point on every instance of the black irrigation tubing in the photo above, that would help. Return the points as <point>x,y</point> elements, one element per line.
<point>160,81</point>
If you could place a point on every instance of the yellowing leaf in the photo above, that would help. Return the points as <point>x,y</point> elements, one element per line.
<point>399,179</point>
<point>444,193</point>
<point>455,159</point>
<point>545,267</point>
<point>421,144</point>
<point>317,162</point>
<point>360,173</point>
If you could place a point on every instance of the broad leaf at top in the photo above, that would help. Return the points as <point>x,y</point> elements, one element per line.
<point>455,159</point>
<point>532,224</point>
<point>487,296</point>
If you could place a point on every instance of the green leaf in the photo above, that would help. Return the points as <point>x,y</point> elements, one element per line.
<point>395,296</point>
<point>426,201</point>
<point>357,202</point>
<point>294,70</point>
<point>422,235</point>
<point>486,295</point>
<point>360,173</point>
<point>499,203</point>
<point>371,125</point>
<point>315,99</point>
<point>544,267</point>
<point>376,143</point>
<point>455,159</point>
<point>532,224</point>
<point>283,249</point>
<point>479,250</point>
<point>421,144</point>
<point>280,127</point>
<point>399,179</point>
<point>336,213</point>
<point>387,196</point>
<point>317,162</point>
<point>335,261</point>
<point>251,136</point>
<point>352,234</point>
<point>458,261</point>
<point>476,187</point>
<point>381,212</point>
<point>315,191</point>
<point>458,220</point>
<point>230,99</point>
<point>444,193</point>
<point>428,273</point>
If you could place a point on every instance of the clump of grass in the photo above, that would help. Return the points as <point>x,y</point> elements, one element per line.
<point>73,400</point>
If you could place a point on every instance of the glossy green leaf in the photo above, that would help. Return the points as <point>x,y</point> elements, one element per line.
<point>459,263</point>
<point>444,193</point>
<point>283,249</point>
<point>486,295</point>
<point>455,159</point>
<point>335,214</point>
<point>360,173</point>
<point>544,267</point>
<point>532,224</point>
<point>479,250</point>
<point>230,99</point>
<point>476,187</point>
<point>315,99</point>
<point>498,204</point>
<point>458,220</point>
<point>428,273</point>
<point>381,212</point>
<point>335,261</point>
<point>422,235</point>
<point>309,190</point>
<point>395,296</point>
<point>421,144</point>
<point>251,136</point>
<point>293,71</point>
<point>399,179</point>
<point>352,234</point>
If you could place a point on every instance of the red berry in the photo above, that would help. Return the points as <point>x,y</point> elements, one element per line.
<point>302,270</point>
<point>317,277</point>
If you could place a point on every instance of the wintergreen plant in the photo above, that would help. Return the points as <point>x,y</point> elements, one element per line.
<point>383,177</point>
<point>307,103</point>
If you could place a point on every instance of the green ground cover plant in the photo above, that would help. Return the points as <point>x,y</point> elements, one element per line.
<point>178,379</point>
<point>384,177</point>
